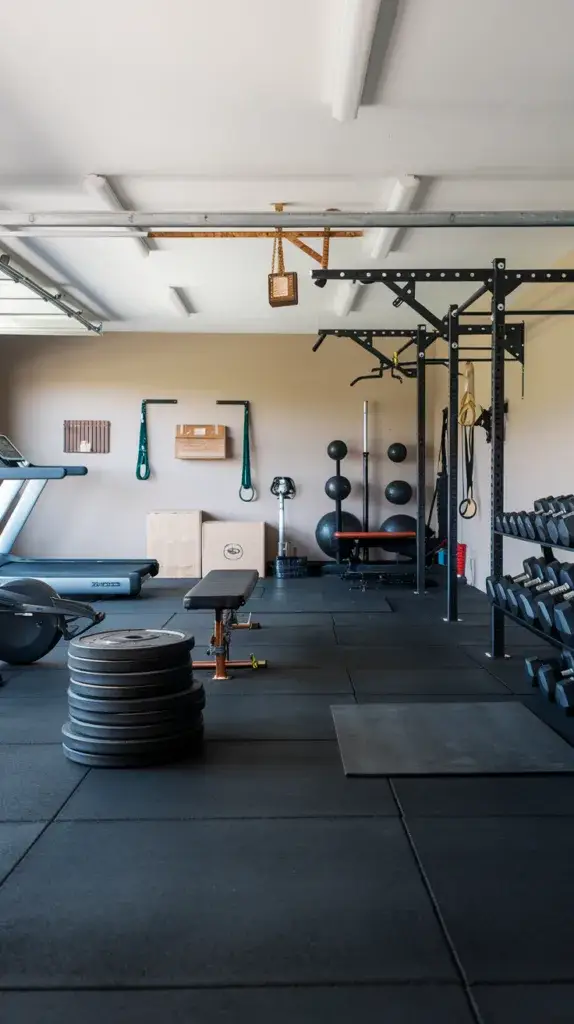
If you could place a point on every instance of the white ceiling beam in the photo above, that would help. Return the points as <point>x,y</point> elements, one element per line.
<point>180,301</point>
<point>32,259</point>
<point>356,31</point>
<point>378,243</point>
<point>346,297</point>
<point>402,198</point>
<point>98,186</point>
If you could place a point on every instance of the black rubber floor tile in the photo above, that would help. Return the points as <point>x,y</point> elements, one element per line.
<point>273,680</point>
<point>31,719</point>
<point>271,717</point>
<point>133,620</point>
<point>393,1004</point>
<point>219,903</point>
<point>525,1004</point>
<point>506,890</point>
<point>15,838</point>
<point>530,647</point>
<point>361,620</point>
<point>552,714</point>
<point>235,780</point>
<point>36,681</point>
<point>270,636</point>
<point>511,671</point>
<point>430,698</point>
<point>429,681</point>
<point>305,620</point>
<point>282,657</point>
<point>35,781</point>
<point>501,796</point>
<point>412,657</point>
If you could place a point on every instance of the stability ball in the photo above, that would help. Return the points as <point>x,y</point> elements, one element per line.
<point>325,529</point>
<point>397,452</point>
<point>338,488</point>
<point>398,492</point>
<point>400,524</point>
<point>337,450</point>
<point>404,524</point>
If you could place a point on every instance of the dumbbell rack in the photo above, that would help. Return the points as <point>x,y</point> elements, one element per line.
<point>546,550</point>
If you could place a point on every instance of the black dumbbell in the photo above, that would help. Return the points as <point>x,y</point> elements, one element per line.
<point>531,666</point>
<point>545,576</point>
<point>564,695</point>
<point>538,607</point>
<point>564,618</point>
<point>556,597</point>
<point>544,522</point>
<point>551,673</point>
<point>534,569</point>
<point>565,529</point>
<point>523,519</point>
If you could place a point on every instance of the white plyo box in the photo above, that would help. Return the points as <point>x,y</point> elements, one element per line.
<point>174,539</point>
<point>231,545</point>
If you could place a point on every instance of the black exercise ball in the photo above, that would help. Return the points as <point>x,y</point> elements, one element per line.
<point>338,488</point>
<point>398,492</point>
<point>397,452</point>
<point>325,529</point>
<point>337,450</point>
<point>404,524</point>
<point>400,524</point>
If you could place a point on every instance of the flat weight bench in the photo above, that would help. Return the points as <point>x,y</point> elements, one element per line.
<point>223,591</point>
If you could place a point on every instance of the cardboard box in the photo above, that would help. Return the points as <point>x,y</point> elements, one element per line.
<point>200,441</point>
<point>174,538</point>
<point>230,545</point>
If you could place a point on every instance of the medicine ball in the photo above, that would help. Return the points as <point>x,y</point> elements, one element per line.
<point>397,452</point>
<point>403,524</point>
<point>325,529</point>
<point>337,450</point>
<point>338,488</point>
<point>398,492</point>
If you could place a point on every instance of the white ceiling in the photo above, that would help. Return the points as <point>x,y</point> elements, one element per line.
<point>227,105</point>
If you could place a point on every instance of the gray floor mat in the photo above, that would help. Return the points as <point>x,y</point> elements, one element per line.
<point>450,738</point>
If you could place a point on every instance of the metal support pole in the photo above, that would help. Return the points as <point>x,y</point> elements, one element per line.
<point>497,446</point>
<point>366,475</point>
<point>452,465</point>
<point>421,458</point>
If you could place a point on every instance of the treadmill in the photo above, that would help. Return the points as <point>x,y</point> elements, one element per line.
<point>21,484</point>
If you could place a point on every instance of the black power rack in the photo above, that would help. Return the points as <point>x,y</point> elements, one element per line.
<point>506,343</point>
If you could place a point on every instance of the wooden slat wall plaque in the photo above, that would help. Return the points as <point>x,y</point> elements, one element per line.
<point>87,436</point>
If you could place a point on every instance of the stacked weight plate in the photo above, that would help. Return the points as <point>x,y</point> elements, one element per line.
<point>132,700</point>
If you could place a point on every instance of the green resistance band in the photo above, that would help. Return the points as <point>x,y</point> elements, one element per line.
<point>143,469</point>
<point>246,483</point>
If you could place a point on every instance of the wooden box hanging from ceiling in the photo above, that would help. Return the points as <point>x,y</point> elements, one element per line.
<point>282,284</point>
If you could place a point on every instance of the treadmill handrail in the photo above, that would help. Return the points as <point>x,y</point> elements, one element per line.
<point>40,472</point>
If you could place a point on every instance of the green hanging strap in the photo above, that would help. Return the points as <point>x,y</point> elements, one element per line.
<point>143,468</point>
<point>246,484</point>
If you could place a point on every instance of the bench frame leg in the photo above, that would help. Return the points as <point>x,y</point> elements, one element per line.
<point>220,646</point>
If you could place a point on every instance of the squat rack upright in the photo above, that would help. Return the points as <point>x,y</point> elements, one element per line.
<point>497,282</point>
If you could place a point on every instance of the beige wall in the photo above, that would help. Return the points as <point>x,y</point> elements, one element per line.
<point>539,429</point>
<point>300,401</point>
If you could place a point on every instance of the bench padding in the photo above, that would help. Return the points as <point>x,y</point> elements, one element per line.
<point>221,588</point>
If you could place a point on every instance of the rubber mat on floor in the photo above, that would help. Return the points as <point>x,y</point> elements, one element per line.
<point>464,738</point>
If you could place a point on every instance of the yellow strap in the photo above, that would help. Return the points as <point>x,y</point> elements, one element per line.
<point>467,413</point>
